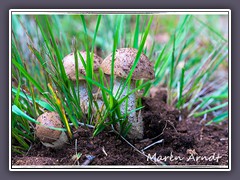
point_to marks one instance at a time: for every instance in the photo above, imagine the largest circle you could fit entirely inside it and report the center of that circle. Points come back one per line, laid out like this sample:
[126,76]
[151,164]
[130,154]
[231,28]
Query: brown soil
[185,142]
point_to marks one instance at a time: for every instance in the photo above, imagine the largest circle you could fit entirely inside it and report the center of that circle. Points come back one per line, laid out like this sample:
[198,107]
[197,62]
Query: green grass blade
[180,99]
[96,30]
[62,32]
[58,54]
[136,33]
[16,54]
[27,75]
[210,110]
[40,102]
[171,72]
[45,38]
[20,113]
[20,139]
[137,56]
[211,29]
[219,118]
[115,45]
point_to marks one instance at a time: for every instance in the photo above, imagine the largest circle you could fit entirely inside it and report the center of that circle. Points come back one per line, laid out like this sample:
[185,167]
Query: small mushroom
[69,65]
[124,59]
[50,137]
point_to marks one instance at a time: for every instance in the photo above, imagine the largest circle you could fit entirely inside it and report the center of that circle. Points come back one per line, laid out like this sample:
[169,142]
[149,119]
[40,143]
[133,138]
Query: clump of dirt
[166,140]
[157,115]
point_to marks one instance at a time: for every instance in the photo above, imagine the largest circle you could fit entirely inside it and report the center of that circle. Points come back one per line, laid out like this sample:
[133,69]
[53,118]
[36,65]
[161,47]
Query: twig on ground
[157,142]
[77,155]
[29,149]
[103,149]
[146,140]
[83,124]
[162,163]
[203,119]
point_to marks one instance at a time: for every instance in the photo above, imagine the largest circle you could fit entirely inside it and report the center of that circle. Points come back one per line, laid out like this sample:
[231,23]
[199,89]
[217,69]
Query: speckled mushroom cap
[124,59]
[44,133]
[69,65]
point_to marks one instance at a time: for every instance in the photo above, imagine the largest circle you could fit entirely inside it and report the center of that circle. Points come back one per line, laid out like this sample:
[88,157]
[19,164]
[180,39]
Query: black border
[131,12]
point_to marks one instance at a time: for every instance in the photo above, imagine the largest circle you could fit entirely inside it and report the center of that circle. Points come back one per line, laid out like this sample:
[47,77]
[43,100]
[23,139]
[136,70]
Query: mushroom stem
[84,100]
[100,105]
[97,96]
[136,131]
[83,94]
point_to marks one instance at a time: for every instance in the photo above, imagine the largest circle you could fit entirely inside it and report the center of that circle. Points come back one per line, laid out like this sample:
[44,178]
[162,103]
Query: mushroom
[50,137]
[124,59]
[69,65]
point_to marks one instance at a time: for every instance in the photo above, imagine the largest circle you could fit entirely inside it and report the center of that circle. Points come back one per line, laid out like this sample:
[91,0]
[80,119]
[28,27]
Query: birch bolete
[69,65]
[124,59]
[50,137]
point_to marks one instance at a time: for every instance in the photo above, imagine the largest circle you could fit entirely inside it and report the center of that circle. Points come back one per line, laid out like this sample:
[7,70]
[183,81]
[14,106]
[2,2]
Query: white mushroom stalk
[137,124]
[84,99]
[124,59]
[83,94]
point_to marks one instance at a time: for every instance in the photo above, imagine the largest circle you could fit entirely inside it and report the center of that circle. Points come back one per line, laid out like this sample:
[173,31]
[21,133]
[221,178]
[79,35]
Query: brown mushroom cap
[124,59]
[69,65]
[44,133]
